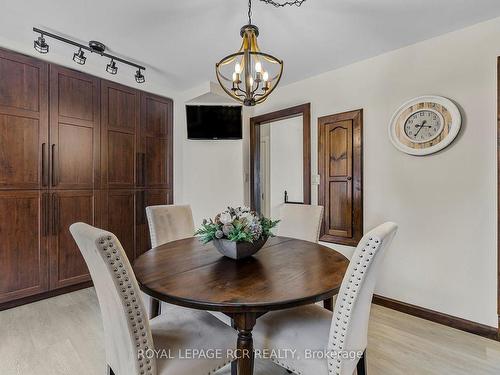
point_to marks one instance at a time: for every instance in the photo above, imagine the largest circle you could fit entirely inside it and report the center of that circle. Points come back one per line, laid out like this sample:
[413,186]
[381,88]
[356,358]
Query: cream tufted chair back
[301,221]
[126,326]
[349,329]
[169,223]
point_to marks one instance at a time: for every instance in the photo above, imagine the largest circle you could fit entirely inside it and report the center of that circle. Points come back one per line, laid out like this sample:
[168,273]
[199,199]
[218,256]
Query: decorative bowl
[238,250]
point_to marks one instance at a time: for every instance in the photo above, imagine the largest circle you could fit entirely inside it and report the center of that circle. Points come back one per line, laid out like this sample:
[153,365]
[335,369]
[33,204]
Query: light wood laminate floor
[63,335]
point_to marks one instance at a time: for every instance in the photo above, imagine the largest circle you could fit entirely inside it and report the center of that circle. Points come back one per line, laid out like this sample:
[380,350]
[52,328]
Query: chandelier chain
[297,3]
[249,12]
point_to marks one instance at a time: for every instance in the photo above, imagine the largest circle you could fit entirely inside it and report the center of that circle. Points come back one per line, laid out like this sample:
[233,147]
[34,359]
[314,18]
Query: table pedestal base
[244,323]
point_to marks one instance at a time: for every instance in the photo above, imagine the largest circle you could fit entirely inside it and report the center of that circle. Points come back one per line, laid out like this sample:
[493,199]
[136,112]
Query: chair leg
[109,370]
[154,308]
[361,367]
[328,304]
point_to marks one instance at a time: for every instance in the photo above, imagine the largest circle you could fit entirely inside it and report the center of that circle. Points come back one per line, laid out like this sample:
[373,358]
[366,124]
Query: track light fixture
[139,78]
[111,68]
[79,57]
[40,44]
[94,47]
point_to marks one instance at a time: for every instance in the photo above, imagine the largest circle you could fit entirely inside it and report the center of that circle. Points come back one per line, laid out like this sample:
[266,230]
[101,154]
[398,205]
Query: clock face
[423,126]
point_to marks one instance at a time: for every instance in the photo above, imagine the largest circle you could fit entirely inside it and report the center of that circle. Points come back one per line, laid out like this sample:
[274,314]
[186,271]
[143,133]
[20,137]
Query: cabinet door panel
[120,107]
[23,245]
[147,198]
[119,218]
[74,127]
[156,140]
[67,266]
[23,122]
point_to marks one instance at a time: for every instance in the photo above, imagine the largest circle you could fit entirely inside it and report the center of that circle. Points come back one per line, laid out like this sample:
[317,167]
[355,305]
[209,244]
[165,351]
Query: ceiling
[180,41]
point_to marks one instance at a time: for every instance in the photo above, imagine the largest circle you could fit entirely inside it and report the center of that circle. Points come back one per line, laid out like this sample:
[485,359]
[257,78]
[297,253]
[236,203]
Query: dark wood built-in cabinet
[340,167]
[73,148]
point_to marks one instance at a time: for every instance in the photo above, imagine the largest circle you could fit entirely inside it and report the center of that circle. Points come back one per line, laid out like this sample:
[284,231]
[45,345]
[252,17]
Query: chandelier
[250,75]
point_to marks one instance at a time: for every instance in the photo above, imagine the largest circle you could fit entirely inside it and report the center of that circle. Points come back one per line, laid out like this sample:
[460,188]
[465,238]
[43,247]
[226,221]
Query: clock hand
[421,126]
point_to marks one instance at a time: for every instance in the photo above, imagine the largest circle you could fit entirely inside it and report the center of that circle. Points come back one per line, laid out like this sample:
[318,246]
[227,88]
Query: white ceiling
[180,41]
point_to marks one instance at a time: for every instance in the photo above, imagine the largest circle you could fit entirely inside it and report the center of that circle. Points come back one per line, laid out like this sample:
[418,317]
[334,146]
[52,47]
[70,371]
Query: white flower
[225,218]
[246,215]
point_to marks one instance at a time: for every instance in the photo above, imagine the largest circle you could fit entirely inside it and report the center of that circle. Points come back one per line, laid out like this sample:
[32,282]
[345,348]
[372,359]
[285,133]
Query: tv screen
[213,122]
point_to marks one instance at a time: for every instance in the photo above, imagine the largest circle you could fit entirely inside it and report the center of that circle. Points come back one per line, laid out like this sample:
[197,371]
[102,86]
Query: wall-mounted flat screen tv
[213,122]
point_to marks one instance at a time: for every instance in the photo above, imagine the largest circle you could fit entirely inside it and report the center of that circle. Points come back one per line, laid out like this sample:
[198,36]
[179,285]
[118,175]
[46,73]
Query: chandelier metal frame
[250,83]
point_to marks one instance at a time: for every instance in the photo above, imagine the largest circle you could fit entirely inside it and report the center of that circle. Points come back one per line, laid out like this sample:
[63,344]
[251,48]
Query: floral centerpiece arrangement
[237,232]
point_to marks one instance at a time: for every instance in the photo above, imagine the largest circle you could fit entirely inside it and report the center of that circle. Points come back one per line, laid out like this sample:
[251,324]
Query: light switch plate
[315,179]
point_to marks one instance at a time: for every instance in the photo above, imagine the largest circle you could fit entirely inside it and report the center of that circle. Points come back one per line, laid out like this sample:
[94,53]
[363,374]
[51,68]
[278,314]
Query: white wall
[444,256]
[211,172]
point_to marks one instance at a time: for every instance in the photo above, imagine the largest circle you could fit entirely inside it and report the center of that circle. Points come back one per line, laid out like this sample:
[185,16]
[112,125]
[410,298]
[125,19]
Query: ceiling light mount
[79,57]
[97,47]
[281,4]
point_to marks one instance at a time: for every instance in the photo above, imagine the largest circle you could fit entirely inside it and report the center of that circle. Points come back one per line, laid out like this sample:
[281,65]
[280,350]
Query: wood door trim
[303,110]
[357,171]
[498,195]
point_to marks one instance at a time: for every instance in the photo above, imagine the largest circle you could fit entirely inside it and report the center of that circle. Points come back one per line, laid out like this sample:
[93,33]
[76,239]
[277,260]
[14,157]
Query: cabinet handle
[54,164]
[45,176]
[349,178]
[55,214]
[45,214]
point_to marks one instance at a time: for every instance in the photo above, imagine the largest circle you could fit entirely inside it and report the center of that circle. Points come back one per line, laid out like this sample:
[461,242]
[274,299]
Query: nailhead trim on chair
[348,295]
[137,320]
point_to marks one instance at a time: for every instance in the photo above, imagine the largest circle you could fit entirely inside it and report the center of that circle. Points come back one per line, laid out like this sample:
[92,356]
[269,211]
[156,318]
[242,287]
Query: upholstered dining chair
[301,221]
[339,334]
[130,337]
[170,223]
[167,223]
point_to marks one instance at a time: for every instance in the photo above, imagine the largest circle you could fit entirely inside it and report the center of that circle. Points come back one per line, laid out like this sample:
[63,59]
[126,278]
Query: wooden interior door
[156,142]
[339,162]
[23,243]
[23,122]
[67,266]
[120,108]
[74,129]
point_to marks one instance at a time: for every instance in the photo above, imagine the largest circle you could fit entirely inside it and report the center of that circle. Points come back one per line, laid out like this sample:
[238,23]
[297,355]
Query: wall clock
[425,125]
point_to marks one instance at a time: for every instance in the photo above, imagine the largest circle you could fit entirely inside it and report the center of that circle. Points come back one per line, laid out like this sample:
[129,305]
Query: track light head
[40,45]
[139,77]
[79,57]
[111,68]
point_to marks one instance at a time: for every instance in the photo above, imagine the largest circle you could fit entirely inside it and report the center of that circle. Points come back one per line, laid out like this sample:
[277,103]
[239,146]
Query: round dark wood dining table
[285,273]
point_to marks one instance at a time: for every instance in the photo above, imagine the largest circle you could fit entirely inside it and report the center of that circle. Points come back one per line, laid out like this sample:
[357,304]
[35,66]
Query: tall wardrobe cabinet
[73,147]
